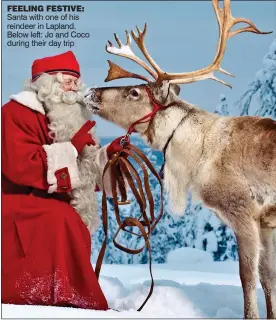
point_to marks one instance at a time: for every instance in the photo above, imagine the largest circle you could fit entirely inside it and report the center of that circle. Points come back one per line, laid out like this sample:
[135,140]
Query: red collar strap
[148,117]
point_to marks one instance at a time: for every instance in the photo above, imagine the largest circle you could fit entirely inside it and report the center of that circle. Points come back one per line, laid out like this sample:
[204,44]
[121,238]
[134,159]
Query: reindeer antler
[116,72]
[140,41]
[126,52]
[225,22]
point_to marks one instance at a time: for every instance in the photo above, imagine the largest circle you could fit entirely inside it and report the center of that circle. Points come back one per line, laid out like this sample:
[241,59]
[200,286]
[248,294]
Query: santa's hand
[83,137]
[115,146]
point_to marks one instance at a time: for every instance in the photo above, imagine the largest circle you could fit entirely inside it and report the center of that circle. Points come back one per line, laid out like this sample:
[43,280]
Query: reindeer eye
[134,93]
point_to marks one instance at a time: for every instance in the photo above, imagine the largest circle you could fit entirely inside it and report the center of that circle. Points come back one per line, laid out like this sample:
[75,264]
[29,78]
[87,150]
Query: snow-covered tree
[212,235]
[168,234]
[264,85]
[227,244]
[112,253]
[222,109]
[189,227]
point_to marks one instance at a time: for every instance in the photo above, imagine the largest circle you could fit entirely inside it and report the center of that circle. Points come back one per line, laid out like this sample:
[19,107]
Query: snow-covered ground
[189,285]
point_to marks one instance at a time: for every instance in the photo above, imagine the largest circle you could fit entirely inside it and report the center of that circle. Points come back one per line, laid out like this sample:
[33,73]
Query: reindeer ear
[175,88]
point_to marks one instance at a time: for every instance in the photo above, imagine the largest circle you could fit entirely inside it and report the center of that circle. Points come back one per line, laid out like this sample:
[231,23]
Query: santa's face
[70,83]
[62,99]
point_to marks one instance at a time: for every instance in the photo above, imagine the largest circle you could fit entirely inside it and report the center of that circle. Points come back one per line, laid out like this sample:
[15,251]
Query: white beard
[66,116]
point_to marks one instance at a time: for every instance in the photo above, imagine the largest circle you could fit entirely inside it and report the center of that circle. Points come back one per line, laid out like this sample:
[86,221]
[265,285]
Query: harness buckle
[124,140]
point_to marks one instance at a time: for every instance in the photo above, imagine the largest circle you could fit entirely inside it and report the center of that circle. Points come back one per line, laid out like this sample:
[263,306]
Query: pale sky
[182,36]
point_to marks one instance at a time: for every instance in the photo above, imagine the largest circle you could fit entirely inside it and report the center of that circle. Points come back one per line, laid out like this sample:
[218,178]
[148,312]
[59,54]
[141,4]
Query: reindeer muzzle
[92,99]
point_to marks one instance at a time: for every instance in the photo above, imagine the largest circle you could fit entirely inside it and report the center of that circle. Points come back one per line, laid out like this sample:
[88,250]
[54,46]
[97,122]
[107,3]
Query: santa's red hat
[65,63]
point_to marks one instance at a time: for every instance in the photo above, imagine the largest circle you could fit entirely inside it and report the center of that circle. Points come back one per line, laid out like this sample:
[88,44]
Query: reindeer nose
[94,93]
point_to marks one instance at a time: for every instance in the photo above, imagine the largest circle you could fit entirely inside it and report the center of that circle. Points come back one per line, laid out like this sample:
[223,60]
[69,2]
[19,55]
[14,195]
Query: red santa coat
[45,245]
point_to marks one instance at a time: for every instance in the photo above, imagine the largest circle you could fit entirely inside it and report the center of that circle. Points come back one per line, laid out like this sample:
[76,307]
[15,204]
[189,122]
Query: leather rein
[120,167]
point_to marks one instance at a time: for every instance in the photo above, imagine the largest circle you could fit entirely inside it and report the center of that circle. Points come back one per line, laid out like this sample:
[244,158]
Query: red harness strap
[147,118]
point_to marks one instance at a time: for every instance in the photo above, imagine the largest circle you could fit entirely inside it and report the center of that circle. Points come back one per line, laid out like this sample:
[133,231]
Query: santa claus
[51,165]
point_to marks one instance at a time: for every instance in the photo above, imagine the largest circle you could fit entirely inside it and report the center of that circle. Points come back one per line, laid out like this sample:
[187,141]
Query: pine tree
[168,234]
[222,109]
[227,245]
[264,85]
[112,253]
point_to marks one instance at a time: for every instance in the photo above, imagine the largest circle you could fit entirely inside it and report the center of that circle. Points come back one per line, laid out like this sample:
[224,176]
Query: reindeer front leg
[267,271]
[229,197]
[248,249]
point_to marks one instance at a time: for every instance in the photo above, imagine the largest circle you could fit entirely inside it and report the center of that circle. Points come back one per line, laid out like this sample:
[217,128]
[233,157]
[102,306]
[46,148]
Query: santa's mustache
[71,97]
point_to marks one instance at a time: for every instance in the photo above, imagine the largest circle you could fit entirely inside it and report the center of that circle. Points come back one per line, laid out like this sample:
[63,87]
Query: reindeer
[229,163]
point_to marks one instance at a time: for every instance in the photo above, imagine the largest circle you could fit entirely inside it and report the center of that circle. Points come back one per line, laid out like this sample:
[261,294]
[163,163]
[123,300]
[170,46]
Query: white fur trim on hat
[60,155]
[28,99]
